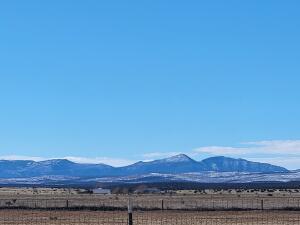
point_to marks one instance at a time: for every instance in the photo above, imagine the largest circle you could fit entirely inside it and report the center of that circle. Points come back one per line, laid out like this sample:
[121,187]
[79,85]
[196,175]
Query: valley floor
[52,217]
[209,207]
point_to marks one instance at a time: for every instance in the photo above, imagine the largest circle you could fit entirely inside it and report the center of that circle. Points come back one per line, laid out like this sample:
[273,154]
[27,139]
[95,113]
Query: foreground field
[151,202]
[75,207]
[35,217]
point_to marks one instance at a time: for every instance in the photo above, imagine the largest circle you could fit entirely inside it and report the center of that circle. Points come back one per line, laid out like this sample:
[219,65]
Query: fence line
[167,211]
[158,204]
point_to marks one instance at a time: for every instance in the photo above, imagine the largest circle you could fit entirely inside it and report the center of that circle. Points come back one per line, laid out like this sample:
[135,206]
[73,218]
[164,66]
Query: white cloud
[279,152]
[284,153]
[277,146]
[220,150]
[259,147]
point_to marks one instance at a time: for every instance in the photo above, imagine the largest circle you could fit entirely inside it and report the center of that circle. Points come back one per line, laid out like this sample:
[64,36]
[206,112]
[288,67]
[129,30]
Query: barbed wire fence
[283,211]
[183,203]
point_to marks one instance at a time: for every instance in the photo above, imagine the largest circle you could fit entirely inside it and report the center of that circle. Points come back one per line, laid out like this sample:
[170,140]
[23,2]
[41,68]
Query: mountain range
[178,164]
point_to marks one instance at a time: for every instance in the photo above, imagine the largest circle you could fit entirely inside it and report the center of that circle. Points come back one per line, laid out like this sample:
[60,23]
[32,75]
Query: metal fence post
[130,222]
[262,204]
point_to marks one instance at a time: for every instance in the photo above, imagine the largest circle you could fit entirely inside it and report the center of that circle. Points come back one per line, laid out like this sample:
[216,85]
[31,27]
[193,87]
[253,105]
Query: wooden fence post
[130,221]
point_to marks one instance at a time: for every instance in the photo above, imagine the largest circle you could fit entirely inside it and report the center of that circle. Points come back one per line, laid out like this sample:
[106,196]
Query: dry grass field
[70,206]
[63,198]
[36,217]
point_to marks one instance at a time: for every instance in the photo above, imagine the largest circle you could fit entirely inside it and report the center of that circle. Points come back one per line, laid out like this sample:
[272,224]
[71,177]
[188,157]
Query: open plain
[86,217]
[27,206]
[182,200]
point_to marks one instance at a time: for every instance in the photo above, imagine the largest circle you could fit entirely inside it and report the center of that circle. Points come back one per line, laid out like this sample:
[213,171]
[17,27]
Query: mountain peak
[178,158]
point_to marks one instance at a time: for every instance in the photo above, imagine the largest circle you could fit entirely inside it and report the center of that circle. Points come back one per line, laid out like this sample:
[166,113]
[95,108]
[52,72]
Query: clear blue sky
[120,79]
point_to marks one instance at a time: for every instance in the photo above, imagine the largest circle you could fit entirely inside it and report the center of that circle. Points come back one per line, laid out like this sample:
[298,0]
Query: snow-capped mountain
[176,164]
[57,167]
[177,158]
[205,177]
[179,164]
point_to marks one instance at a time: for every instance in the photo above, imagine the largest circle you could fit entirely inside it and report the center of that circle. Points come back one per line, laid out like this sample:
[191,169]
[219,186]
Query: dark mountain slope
[225,164]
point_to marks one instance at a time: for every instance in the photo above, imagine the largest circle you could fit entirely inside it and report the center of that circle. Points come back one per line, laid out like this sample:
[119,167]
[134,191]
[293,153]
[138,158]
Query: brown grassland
[37,217]
[72,206]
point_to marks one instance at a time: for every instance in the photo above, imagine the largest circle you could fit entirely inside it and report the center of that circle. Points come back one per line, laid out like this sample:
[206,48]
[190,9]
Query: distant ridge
[173,165]
[225,164]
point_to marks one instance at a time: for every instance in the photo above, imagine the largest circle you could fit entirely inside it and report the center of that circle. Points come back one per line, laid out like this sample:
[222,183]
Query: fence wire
[166,203]
[164,212]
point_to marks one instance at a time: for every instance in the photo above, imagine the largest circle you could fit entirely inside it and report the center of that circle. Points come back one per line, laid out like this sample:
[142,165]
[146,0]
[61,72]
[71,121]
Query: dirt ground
[35,217]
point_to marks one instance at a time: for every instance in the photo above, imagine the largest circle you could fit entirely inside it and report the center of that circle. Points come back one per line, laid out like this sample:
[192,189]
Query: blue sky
[119,81]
